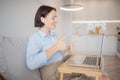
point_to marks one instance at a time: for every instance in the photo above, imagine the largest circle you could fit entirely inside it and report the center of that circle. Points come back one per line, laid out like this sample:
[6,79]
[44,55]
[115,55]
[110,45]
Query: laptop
[86,61]
[91,61]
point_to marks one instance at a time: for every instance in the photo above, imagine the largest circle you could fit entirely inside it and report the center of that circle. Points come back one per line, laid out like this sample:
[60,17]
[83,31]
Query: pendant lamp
[71,7]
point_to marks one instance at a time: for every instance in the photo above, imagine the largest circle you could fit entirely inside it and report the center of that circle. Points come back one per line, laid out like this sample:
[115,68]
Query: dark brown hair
[42,12]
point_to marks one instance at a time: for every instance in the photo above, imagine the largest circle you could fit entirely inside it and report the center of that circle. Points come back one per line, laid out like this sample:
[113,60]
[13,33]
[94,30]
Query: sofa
[12,60]
[13,63]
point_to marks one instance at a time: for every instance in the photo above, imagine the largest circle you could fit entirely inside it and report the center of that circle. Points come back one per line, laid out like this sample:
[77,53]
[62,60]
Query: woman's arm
[60,45]
[36,57]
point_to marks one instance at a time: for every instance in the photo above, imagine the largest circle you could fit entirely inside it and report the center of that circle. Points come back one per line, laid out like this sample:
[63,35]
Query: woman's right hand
[61,45]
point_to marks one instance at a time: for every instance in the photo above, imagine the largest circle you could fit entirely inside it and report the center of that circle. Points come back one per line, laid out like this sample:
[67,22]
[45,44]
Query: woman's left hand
[71,48]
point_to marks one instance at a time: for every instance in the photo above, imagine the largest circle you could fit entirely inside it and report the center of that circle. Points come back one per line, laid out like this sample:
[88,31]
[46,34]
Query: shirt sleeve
[35,57]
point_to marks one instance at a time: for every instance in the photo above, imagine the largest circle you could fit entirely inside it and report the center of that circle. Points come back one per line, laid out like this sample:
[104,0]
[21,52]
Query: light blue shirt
[38,43]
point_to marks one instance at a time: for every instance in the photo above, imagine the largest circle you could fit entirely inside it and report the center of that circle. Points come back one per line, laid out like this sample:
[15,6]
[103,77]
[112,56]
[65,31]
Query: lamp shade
[71,7]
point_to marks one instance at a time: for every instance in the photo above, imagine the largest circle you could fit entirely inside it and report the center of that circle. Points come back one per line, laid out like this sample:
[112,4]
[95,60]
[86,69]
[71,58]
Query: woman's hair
[42,11]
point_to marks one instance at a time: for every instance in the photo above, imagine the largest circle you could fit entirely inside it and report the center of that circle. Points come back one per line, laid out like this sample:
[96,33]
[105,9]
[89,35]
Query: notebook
[91,61]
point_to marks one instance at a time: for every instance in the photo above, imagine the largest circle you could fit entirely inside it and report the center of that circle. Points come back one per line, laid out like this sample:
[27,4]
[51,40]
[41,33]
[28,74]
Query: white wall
[98,10]
[17,17]
[91,44]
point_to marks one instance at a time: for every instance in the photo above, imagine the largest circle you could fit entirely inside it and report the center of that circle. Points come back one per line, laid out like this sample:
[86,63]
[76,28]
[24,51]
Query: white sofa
[12,60]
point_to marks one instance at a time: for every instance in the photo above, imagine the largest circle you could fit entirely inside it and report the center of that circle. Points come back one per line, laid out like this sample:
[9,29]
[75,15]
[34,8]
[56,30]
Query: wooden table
[65,68]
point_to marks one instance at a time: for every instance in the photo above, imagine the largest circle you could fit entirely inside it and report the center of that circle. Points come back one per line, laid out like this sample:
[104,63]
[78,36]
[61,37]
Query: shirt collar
[41,33]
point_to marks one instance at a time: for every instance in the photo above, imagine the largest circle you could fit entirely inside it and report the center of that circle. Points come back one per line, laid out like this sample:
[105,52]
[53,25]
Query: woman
[43,49]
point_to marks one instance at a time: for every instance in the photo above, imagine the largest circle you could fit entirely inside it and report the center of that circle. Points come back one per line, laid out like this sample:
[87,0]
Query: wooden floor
[112,66]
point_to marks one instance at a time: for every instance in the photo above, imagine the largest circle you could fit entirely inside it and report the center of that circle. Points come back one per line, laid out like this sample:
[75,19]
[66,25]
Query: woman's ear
[42,19]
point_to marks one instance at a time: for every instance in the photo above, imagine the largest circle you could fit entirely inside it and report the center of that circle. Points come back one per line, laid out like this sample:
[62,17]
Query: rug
[78,77]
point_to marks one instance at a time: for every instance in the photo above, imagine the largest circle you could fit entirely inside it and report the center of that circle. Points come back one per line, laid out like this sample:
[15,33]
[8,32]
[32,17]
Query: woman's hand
[70,50]
[61,45]
[71,47]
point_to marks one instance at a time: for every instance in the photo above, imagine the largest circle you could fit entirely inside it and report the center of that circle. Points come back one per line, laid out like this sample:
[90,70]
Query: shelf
[102,21]
[97,34]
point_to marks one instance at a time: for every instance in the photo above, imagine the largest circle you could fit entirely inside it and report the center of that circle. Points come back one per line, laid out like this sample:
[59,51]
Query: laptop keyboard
[90,60]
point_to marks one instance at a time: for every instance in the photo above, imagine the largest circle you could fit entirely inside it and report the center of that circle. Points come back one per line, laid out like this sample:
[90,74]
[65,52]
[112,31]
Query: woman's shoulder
[34,36]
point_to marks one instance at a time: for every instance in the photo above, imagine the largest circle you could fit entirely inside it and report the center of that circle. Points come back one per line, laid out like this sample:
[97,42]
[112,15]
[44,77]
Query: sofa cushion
[1,38]
[2,61]
[14,50]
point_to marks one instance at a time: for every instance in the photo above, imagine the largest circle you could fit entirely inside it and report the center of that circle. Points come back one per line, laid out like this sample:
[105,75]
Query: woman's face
[50,20]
